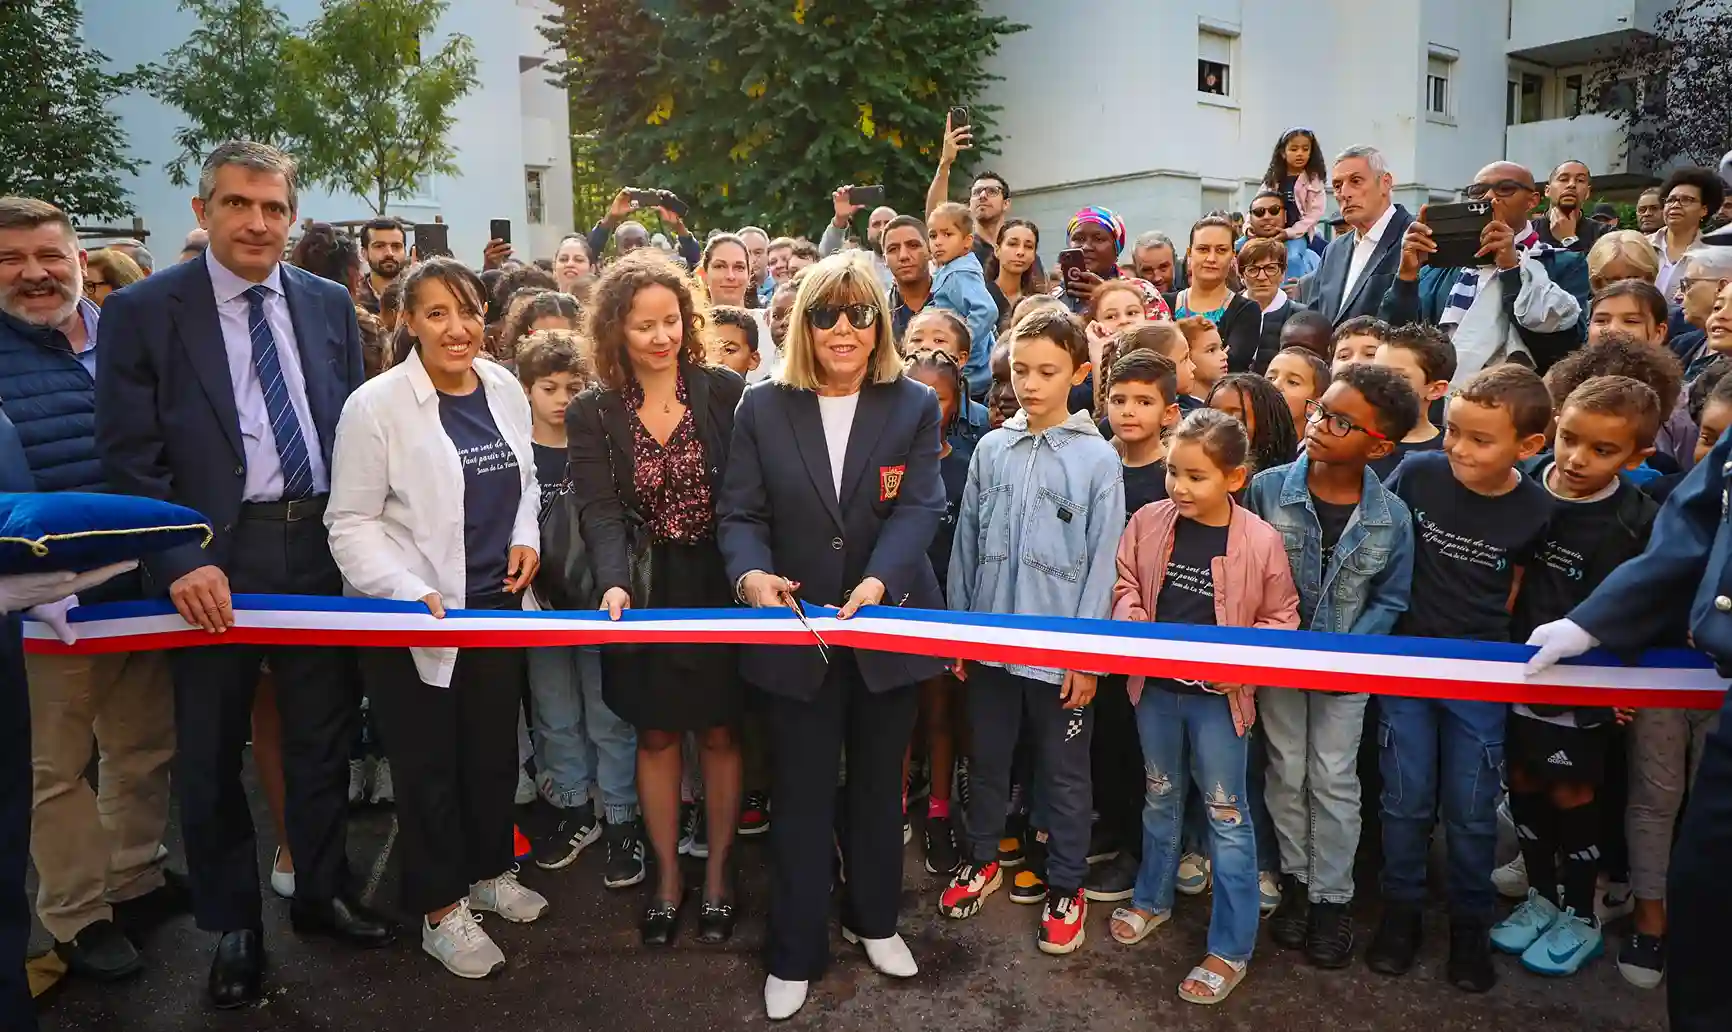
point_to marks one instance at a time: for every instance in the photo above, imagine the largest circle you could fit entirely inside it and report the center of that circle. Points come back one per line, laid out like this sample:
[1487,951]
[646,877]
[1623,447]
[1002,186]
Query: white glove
[28,590]
[53,614]
[1560,639]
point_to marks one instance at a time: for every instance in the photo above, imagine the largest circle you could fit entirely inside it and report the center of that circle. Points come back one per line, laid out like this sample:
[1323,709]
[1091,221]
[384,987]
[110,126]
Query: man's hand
[520,568]
[1560,639]
[1290,287]
[622,206]
[1564,223]
[1078,689]
[955,141]
[1498,241]
[202,599]
[763,590]
[868,592]
[678,224]
[1417,245]
[845,209]
[496,254]
[616,601]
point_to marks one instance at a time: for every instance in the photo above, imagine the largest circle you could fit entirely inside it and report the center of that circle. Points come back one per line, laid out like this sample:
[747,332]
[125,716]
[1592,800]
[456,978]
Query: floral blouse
[671,480]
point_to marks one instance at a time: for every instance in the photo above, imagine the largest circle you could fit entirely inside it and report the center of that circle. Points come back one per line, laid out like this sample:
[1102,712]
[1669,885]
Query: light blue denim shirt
[960,286]
[1371,571]
[1038,529]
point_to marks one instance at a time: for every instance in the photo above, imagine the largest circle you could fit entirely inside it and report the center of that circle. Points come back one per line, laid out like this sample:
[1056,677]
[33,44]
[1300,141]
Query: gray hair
[1154,238]
[1373,157]
[257,157]
[753,229]
[28,213]
[1714,261]
[136,250]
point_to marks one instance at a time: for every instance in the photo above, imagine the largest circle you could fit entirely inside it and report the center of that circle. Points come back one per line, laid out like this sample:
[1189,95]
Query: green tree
[227,79]
[1672,88]
[59,140]
[370,108]
[755,110]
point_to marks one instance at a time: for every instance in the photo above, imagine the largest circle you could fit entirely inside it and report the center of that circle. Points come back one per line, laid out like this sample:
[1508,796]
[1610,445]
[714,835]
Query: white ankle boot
[890,956]
[783,1000]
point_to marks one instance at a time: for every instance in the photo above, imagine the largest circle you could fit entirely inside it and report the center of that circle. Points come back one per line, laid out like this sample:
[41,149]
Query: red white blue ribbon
[1388,665]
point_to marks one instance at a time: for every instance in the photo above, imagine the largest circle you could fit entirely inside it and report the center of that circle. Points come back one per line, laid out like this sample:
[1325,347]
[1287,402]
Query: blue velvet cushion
[69,530]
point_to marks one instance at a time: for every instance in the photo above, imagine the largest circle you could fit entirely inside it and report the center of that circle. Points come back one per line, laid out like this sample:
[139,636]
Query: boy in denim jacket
[959,285]
[1350,542]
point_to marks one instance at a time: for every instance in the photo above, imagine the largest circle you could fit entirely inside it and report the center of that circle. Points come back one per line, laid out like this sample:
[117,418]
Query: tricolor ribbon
[1387,665]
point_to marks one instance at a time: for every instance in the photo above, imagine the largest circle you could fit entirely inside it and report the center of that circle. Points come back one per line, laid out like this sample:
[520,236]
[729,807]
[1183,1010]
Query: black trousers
[806,740]
[17,1011]
[1697,906]
[453,754]
[317,699]
[1116,764]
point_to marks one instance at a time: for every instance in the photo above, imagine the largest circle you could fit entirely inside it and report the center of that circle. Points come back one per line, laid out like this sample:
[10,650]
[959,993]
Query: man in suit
[1358,266]
[219,386]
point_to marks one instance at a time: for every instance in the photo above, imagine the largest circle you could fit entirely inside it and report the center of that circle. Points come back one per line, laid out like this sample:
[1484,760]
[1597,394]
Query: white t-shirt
[838,417]
[768,358]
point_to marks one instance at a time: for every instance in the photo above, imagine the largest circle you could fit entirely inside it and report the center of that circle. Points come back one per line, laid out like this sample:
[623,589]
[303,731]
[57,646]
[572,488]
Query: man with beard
[988,195]
[910,266]
[96,850]
[1269,222]
[1565,223]
[386,249]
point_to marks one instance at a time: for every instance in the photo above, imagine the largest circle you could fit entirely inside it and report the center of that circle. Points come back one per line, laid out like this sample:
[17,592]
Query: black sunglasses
[861,317]
[1261,212]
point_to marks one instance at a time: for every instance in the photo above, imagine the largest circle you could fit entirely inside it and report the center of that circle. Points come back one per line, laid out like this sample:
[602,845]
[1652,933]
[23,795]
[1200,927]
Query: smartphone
[645,198]
[1456,228]
[432,238]
[671,201]
[958,117]
[499,229]
[866,195]
[1070,263]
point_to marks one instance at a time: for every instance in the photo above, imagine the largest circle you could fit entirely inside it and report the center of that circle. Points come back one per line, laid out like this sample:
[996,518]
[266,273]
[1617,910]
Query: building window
[1572,98]
[533,198]
[1437,75]
[1214,63]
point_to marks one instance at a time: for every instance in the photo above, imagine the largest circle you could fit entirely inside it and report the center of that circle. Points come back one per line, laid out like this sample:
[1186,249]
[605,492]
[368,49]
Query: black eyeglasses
[1337,425]
[1502,188]
[1262,212]
[861,317]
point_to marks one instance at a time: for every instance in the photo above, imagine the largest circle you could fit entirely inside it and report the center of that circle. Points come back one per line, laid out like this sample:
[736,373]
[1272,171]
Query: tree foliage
[59,140]
[1673,89]
[227,79]
[370,109]
[755,110]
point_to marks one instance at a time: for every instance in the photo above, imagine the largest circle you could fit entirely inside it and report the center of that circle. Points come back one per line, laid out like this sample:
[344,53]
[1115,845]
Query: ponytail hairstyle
[1273,439]
[458,278]
[1221,436]
[945,365]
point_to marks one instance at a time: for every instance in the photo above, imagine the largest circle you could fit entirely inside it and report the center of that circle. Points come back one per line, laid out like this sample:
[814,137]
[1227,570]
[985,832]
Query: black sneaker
[100,951]
[1642,961]
[1104,845]
[941,853]
[625,866]
[1028,884]
[1329,936]
[695,840]
[1470,968]
[558,842]
[919,780]
[1396,944]
[1114,880]
[755,814]
[1287,925]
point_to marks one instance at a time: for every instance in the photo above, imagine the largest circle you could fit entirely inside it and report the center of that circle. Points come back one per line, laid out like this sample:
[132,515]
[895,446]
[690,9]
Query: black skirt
[664,687]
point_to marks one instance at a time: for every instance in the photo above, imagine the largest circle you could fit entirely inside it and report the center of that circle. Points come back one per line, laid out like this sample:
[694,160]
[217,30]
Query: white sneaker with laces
[357,782]
[458,942]
[783,1000]
[282,882]
[508,897]
[383,792]
[1511,880]
[889,956]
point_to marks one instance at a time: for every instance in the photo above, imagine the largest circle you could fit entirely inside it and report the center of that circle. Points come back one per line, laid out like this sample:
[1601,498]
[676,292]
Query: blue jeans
[1196,838]
[1188,737]
[1441,754]
[580,744]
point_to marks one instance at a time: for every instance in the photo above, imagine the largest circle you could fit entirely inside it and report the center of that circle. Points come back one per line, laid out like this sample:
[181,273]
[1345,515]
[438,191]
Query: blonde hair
[1624,245]
[847,278]
[116,267]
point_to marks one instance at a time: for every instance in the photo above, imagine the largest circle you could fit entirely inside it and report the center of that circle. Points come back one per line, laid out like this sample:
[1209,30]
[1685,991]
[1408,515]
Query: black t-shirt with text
[1557,579]
[1381,468]
[1333,518]
[491,489]
[1466,549]
[1187,593]
[1143,485]
[550,466]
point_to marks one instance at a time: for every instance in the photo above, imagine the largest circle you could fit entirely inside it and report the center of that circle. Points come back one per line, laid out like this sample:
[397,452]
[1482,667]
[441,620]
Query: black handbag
[565,579]
[640,564]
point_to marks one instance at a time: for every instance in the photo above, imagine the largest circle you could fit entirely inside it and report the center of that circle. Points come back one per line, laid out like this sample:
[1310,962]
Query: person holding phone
[988,193]
[1096,235]
[624,203]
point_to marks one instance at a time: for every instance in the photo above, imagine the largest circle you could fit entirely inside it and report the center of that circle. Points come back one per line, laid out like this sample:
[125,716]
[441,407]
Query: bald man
[1477,304]
[836,232]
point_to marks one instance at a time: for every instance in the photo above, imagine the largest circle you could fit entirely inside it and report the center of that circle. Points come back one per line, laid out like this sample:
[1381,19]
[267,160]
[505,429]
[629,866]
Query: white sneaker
[1511,880]
[282,882]
[383,792]
[357,782]
[507,897]
[525,788]
[459,943]
[783,1000]
[1193,876]
[1268,892]
[890,956]
[1613,902]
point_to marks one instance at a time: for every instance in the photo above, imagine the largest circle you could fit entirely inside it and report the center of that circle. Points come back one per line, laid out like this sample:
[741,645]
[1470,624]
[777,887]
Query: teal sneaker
[1568,944]
[1525,924]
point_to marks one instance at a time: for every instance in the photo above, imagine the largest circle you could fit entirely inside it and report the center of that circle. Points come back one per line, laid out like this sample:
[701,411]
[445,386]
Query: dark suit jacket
[166,423]
[1324,287]
[779,513]
[599,439]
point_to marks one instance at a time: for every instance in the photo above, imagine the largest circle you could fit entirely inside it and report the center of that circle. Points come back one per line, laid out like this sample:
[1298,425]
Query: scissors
[799,614]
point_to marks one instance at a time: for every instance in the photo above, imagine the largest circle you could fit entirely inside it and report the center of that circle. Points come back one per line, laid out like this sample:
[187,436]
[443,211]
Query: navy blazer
[166,422]
[1324,287]
[779,513]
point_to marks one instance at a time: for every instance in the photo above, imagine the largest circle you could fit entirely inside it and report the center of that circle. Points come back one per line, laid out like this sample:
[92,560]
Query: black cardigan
[1241,329]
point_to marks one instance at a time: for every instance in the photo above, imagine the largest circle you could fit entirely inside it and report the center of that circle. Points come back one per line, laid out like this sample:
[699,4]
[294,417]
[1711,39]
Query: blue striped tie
[285,426]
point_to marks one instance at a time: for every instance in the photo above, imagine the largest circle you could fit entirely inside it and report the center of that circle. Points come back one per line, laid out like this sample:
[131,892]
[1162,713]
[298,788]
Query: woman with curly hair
[532,310]
[649,449]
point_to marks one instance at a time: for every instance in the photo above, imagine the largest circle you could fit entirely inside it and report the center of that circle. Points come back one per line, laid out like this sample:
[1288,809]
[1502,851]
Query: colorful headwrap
[1102,217]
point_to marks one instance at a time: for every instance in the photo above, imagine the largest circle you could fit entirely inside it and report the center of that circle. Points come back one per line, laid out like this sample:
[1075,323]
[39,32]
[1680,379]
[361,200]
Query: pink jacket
[1253,583]
[1308,195]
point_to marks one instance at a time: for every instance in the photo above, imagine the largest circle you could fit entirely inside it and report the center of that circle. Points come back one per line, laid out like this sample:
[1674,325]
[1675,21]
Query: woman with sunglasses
[649,448]
[832,498]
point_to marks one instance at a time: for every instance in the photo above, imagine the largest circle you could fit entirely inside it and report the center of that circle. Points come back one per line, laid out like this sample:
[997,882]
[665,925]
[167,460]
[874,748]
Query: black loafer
[716,921]
[142,915]
[237,969]
[342,919]
[661,922]
[100,951]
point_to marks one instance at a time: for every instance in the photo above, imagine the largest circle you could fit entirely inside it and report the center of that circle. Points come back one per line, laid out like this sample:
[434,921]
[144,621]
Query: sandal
[1141,927]
[1220,986]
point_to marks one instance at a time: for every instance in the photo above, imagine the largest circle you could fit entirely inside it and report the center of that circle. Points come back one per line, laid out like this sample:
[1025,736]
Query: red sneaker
[521,850]
[1061,922]
[969,888]
[755,814]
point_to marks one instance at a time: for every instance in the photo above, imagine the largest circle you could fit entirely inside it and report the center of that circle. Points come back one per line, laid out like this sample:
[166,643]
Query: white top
[264,479]
[1362,251]
[838,417]
[395,514]
[768,359]
[1668,268]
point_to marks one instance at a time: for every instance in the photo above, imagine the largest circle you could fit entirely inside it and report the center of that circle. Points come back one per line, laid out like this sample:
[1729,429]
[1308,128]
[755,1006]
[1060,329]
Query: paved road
[581,968]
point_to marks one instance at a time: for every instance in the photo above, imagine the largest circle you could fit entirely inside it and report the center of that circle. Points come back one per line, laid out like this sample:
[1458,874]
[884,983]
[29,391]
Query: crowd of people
[1249,426]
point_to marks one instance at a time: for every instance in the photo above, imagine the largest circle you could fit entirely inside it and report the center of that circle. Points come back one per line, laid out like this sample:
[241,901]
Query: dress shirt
[264,481]
[90,314]
[1363,248]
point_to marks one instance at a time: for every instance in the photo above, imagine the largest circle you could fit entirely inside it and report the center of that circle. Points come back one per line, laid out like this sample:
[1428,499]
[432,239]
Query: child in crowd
[1477,521]
[1297,173]
[1117,305]
[1142,408]
[1555,756]
[1357,340]
[943,330]
[1255,402]
[1168,560]
[1426,359]
[1300,376]
[733,339]
[1352,568]
[1311,331]
[1163,338]
[1617,353]
[1050,474]
[1208,354]
[580,744]
[1634,308]
[959,284]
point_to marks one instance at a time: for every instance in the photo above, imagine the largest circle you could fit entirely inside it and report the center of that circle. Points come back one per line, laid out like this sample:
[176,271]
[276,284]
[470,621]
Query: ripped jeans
[1186,738]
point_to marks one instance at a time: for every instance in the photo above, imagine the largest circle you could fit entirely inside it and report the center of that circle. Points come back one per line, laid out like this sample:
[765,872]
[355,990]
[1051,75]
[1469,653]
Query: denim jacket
[960,286]
[1371,571]
[1038,530]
